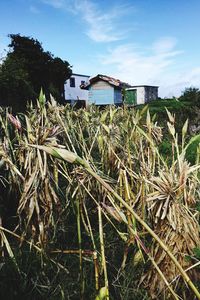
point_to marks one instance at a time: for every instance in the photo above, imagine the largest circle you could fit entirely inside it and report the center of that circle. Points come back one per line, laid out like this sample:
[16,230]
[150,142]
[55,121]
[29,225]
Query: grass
[170,104]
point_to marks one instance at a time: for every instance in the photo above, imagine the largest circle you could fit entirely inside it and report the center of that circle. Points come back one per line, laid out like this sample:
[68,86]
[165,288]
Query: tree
[28,68]
[191,94]
[58,75]
[15,86]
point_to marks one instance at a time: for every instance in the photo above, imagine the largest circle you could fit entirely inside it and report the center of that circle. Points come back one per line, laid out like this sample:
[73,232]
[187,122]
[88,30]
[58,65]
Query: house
[104,90]
[140,94]
[72,89]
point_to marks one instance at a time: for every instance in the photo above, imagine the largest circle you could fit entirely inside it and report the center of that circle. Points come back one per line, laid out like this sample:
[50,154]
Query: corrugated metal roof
[112,81]
[75,74]
[144,85]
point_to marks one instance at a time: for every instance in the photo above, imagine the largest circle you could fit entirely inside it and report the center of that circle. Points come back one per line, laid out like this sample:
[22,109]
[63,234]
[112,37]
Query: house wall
[140,95]
[101,85]
[101,93]
[151,93]
[130,97]
[145,94]
[117,96]
[75,93]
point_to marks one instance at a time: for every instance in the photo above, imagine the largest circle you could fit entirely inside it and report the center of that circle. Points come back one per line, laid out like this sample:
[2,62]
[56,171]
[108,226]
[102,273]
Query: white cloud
[151,65]
[102,26]
[164,44]
[137,65]
[175,84]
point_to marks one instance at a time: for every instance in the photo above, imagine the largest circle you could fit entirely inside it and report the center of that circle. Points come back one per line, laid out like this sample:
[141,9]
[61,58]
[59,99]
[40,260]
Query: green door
[130,97]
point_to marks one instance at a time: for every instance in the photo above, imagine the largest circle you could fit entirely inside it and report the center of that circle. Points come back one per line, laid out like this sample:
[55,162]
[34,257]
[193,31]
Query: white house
[73,92]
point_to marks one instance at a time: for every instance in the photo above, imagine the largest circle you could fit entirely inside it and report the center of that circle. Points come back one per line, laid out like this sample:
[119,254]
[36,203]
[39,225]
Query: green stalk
[96,272]
[80,251]
[103,252]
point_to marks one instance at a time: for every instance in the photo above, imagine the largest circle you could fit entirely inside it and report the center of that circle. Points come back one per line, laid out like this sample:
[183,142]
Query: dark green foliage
[170,104]
[182,110]
[197,252]
[37,278]
[191,152]
[165,149]
[198,206]
[15,85]
[191,95]
[124,284]
[26,69]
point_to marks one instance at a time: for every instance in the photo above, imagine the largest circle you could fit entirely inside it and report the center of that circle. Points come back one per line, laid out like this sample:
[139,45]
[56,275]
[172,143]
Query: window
[82,82]
[72,82]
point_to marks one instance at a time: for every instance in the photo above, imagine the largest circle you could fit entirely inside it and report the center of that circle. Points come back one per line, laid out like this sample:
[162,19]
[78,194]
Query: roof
[75,74]
[112,81]
[144,85]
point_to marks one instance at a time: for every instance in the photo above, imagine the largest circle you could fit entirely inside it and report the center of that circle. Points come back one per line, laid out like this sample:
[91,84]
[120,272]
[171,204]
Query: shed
[140,94]
[104,90]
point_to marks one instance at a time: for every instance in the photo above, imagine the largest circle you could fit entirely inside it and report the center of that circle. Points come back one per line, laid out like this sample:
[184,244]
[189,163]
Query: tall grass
[93,184]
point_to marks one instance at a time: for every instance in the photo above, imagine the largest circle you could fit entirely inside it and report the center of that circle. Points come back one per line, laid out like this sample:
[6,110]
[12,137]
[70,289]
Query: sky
[153,42]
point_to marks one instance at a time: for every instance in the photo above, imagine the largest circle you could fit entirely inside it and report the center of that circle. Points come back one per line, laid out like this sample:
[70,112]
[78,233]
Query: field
[99,204]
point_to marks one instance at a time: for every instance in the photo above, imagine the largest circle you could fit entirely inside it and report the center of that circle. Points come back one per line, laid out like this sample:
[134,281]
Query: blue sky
[140,42]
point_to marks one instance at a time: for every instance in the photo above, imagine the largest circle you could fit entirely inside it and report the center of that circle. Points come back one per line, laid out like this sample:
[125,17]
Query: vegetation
[191,94]
[26,69]
[181,110]
[92,209]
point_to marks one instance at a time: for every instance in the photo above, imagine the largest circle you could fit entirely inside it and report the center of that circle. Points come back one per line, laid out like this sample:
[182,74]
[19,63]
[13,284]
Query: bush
[191,94]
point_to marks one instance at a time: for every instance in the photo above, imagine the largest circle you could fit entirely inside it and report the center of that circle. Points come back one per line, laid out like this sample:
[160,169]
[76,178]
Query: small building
[72,89]
[104,90]
[140,94]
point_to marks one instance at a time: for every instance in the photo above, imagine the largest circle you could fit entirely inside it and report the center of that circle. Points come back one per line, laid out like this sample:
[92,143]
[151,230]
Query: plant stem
[103,251]
[80,251]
